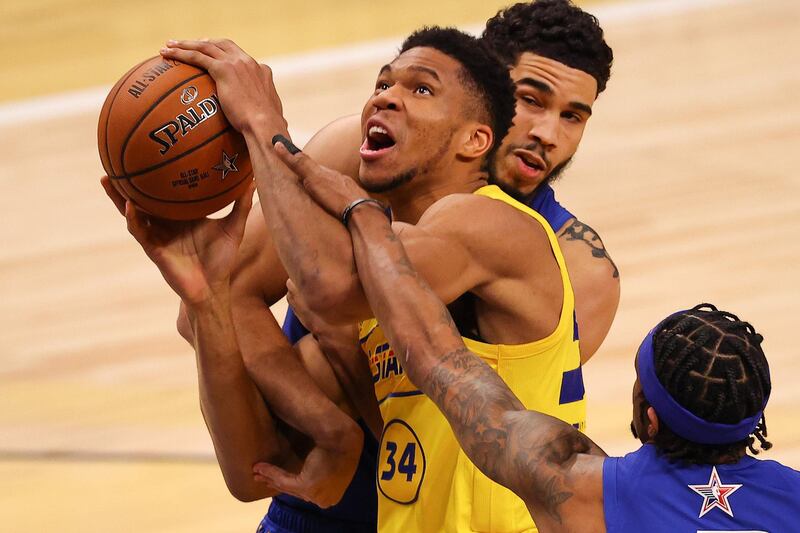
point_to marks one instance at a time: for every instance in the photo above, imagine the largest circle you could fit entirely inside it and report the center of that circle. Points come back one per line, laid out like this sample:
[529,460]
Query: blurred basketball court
[688,170]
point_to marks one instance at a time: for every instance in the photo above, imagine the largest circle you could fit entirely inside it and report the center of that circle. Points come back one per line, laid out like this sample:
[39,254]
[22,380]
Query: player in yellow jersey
[547,151]
[429,127]
[453,495]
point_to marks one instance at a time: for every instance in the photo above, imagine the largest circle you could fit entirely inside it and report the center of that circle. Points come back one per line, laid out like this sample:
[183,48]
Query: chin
[370,178]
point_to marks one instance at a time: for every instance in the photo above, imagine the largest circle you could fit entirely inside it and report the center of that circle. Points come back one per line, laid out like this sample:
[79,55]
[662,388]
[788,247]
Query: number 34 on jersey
[401,466]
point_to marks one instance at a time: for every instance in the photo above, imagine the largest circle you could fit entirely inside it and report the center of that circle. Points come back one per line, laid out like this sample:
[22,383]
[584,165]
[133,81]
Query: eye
[381,86]
[573,117]
[423,89]
[530,100]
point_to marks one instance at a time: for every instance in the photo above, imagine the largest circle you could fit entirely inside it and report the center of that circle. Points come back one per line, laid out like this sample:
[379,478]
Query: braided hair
[712,364]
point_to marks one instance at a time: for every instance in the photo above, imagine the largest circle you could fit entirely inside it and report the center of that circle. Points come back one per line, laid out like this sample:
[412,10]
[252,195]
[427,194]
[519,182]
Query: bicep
[442,260]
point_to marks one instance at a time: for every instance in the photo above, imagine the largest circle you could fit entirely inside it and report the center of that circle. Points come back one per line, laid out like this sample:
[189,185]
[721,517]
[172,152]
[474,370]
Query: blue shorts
[282,518]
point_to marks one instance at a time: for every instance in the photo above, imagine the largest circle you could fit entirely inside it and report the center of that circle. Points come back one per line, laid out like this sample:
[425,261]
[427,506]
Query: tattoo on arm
[578,231]
[523,450]
[542,447]
[472,406]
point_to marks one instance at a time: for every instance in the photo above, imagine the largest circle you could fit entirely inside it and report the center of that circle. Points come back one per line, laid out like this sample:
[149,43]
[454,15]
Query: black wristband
[345,218]
[286,142]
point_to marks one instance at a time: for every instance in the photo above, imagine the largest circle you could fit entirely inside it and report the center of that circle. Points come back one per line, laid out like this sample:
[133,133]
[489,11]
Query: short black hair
[482,71]
[712,364]
[555,29]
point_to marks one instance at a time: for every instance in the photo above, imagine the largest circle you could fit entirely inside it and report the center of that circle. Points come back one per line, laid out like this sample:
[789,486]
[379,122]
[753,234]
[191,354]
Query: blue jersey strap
[544,202]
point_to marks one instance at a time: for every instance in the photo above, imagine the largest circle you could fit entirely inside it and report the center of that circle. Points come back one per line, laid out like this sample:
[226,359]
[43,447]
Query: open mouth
[377,142]
[530,163]
[379,139]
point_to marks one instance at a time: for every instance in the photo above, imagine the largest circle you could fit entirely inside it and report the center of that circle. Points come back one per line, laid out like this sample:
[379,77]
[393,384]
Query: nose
[388,99]
[545,130]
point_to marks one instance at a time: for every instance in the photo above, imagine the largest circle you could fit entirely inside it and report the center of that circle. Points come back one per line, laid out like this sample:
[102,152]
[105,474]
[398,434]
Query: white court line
[87,100]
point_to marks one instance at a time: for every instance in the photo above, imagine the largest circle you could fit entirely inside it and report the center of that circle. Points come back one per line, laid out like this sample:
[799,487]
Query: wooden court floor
[687,170]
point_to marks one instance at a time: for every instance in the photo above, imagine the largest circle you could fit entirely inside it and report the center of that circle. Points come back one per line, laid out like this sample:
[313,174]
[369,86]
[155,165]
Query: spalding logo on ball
[166,144]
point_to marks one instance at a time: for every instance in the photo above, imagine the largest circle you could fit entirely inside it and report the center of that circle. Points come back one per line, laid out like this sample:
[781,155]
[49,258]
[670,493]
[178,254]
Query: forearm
[515,447]
[351,367]
[283,381]
[238,421]
[312,245]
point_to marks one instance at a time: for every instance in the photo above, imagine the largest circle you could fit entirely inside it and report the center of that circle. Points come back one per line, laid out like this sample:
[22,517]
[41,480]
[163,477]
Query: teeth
[377,129]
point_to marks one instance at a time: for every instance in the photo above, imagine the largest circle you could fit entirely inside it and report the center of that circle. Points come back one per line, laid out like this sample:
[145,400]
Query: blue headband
[679,419]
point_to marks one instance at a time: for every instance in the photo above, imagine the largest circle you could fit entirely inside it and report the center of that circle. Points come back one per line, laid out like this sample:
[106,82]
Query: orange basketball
[166,145]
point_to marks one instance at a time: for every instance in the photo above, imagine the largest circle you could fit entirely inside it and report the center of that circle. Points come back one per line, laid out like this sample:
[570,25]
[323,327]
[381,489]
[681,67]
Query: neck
[732,457]
[409,203]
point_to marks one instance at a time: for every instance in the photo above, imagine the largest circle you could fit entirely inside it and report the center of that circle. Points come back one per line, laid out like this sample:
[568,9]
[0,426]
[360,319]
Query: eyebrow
[545,88]
[580,106]
[425,70]
[536,84]
[415,68]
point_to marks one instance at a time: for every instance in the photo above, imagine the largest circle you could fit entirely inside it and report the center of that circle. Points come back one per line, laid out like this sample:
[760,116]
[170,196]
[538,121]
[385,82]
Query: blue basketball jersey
[359,506]
[643,491]
[544,202]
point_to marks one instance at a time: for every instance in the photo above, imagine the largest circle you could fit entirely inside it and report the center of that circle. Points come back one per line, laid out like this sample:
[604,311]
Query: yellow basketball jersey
[426,484]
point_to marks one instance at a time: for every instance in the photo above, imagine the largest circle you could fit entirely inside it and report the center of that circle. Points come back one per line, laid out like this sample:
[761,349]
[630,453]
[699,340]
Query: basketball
[166,145]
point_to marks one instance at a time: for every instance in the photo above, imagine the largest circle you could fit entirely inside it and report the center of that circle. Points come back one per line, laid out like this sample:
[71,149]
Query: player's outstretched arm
[301,396]
[195,259]
[552,466]
[258,281]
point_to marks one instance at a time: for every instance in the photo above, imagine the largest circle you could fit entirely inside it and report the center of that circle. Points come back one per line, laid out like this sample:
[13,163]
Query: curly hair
[712,364]
[555,29]
[483,74]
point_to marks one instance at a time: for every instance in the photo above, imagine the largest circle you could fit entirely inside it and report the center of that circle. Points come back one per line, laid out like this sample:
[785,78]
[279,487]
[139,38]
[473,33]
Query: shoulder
[472,212]
[790,476]
[581,237]
[492,230]
[258,271]
[336,145]
[587,256]
[622,474]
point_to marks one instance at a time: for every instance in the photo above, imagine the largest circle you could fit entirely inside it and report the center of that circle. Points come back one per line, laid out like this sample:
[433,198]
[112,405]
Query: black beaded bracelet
[345,218]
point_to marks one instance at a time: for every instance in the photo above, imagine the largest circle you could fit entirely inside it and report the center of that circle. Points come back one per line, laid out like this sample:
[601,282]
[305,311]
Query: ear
[476,141]
[652,427]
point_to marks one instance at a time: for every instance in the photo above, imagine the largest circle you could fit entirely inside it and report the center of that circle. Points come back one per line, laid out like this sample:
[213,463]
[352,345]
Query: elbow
[250,492]
[242,484]
[330,297]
